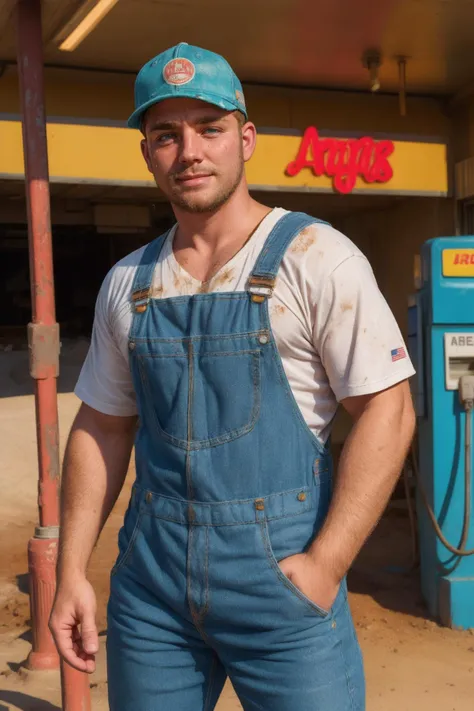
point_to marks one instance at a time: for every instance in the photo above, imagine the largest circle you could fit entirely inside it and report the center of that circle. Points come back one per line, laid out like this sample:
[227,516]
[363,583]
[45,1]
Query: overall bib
[230,480]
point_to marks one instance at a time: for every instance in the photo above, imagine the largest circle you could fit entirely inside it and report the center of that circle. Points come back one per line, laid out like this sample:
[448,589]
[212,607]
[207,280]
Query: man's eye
[165,137]
[211,130]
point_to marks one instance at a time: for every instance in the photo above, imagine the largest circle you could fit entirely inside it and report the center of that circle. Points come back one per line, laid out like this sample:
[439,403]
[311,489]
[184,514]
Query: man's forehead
[183,109]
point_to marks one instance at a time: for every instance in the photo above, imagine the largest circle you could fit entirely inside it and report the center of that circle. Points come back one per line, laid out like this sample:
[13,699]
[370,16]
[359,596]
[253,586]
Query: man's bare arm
[370,465]
[95,465]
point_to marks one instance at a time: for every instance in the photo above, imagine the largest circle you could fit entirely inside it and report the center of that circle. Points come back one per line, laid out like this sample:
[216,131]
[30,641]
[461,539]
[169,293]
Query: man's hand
[73,625]
[309,577]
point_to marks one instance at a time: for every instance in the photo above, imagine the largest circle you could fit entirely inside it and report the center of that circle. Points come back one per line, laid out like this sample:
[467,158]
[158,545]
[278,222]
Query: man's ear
[249,140]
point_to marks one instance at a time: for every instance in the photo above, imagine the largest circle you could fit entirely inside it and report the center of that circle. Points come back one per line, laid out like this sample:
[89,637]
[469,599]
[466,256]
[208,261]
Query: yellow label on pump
[458,262]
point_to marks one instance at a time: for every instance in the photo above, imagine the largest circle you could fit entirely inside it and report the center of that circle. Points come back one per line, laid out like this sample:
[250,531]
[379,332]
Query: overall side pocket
[289,587]
[128,536]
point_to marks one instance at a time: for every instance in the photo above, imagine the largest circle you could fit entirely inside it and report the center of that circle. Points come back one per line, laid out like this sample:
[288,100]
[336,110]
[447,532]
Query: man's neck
[204,243]
[231,223]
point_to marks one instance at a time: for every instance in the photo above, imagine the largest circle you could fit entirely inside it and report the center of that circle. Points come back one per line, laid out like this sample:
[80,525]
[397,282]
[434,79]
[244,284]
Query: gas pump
[441,345]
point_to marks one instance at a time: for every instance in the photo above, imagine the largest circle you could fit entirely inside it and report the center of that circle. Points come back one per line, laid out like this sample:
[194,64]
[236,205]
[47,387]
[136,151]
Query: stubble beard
[193,205]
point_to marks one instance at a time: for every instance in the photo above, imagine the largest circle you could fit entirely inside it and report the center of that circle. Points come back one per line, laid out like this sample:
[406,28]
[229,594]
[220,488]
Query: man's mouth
[192,178]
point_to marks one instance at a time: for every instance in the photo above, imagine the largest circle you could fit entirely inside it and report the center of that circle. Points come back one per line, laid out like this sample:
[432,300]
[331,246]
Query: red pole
[43,338]
[43,335]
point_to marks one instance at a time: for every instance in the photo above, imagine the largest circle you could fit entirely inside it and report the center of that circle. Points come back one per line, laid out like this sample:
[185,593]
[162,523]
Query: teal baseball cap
[191,72]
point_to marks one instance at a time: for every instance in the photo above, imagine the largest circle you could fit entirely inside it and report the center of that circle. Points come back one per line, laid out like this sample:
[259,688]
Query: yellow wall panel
[112,155]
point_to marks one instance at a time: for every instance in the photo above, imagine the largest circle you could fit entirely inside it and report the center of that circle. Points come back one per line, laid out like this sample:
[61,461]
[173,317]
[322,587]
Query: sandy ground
[412,664]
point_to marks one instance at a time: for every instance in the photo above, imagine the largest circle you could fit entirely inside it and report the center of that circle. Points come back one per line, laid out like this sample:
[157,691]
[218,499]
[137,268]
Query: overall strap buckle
[261,287]
[143,280]
[140,299]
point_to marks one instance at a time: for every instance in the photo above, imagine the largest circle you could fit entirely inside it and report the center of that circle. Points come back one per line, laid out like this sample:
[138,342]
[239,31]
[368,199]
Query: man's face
[196,152]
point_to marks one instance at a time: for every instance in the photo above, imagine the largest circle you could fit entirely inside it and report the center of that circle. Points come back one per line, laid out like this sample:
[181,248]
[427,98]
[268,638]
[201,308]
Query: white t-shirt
[334,330]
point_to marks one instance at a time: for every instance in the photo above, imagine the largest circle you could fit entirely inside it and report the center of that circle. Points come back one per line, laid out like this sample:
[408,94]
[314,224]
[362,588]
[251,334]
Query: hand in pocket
[309,577]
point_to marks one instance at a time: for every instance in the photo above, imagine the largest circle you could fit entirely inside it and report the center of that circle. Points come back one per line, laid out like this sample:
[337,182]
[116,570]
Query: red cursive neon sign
[344,160]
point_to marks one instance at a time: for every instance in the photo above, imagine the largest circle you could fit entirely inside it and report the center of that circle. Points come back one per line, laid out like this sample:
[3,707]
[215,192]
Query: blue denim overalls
[230,480]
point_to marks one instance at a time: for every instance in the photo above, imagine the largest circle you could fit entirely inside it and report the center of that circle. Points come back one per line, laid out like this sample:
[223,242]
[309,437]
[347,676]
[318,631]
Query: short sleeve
[356,334]
[105,382]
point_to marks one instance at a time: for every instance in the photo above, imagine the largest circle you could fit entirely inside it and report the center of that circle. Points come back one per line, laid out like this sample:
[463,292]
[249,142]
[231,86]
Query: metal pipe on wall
[402,81]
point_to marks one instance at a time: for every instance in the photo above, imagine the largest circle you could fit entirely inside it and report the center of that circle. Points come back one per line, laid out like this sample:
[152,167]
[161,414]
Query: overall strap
[144,275]
[263,277]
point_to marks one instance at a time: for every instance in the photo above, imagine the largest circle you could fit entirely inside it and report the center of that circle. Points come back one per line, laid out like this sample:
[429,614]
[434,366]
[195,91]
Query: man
[233,338]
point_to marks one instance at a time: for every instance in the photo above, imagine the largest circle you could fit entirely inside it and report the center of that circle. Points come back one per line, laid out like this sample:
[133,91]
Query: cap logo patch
[240,97]
[179,71]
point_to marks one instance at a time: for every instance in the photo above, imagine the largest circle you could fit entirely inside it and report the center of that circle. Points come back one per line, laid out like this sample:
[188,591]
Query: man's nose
[190,147]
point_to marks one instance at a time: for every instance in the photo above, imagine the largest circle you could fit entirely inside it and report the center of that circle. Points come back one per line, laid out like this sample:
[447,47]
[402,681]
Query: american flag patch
[398,354]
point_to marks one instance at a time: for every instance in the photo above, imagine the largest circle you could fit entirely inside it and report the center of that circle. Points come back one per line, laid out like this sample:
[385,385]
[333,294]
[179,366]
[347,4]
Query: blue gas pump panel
[444,279]
[441,342]
[448,279]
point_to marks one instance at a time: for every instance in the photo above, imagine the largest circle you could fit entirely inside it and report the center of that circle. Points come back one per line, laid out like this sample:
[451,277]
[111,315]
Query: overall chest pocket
[200,398]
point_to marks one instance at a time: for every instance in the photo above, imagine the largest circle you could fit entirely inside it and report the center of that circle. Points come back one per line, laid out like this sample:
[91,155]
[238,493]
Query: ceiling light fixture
[372,60]
[84,25]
